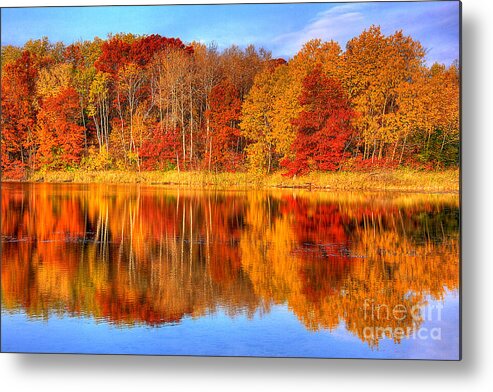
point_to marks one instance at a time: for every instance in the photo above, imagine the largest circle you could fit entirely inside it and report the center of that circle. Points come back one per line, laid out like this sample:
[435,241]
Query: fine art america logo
[400,321]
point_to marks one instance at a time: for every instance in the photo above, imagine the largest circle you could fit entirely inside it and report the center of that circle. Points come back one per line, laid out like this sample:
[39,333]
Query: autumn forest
[152,103]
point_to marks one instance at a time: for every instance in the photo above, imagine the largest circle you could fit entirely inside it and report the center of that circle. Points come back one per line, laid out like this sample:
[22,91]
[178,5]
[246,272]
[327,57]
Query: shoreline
[402,180]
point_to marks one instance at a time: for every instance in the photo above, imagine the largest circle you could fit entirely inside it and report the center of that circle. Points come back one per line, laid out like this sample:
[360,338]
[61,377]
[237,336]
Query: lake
[291,273]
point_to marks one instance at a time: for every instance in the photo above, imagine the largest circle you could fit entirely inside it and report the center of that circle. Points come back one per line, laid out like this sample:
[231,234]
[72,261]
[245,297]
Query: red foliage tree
[59,136]
[143,49]
[161,150]
[114,54]
[18,114]
[225,107]
[73,55]
[323,127]
[274,63]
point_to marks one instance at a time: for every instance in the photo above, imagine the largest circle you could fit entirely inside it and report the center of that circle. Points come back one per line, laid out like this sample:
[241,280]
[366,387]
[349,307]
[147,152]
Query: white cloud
[434,24]
[336,24]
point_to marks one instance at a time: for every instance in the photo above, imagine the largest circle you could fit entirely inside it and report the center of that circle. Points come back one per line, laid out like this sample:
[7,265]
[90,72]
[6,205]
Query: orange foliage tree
[18,115]
[59,135]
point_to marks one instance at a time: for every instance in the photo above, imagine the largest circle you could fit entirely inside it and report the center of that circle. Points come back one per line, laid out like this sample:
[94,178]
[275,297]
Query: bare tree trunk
[83,123]
[395,149]
[402,151]
[210,153]
[191,123]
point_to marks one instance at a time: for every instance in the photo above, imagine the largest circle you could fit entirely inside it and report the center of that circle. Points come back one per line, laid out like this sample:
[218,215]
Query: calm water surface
[149,270]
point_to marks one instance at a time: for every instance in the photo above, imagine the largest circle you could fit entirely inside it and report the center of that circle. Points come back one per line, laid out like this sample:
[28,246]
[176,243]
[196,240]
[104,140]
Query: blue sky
[280,28]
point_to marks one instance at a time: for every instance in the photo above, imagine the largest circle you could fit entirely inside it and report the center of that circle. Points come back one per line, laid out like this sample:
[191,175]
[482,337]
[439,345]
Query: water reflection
[141,255]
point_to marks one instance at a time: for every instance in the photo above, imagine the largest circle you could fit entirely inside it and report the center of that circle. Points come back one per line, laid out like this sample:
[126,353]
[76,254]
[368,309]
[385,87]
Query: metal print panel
[275,180]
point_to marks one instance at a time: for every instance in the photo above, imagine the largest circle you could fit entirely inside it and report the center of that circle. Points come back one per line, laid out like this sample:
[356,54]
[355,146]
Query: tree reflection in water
[140,255]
